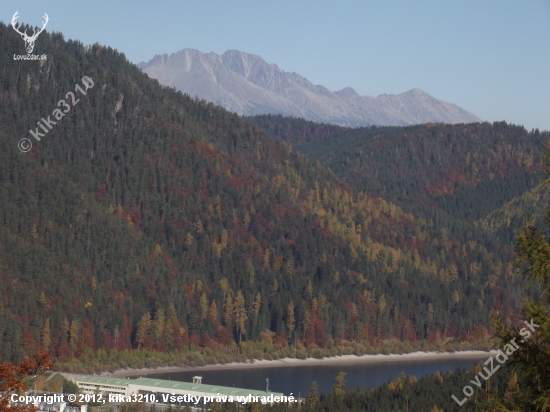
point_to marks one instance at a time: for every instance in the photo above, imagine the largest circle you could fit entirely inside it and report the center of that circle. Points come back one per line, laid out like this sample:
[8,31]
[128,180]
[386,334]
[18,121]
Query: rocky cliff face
[246,84]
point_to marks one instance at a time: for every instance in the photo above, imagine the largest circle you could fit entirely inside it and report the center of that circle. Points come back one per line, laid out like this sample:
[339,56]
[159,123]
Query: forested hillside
[528,207]
[466,171]
[147,220]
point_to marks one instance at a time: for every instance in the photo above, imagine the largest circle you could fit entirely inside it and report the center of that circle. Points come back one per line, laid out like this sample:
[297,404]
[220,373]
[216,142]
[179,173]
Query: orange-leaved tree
[14,378]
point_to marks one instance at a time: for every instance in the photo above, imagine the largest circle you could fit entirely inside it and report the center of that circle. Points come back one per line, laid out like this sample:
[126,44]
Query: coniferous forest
[459,173]
[149,227]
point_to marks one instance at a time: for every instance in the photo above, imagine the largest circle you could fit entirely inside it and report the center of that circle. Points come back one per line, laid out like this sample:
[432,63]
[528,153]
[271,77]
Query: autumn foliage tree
[14,378]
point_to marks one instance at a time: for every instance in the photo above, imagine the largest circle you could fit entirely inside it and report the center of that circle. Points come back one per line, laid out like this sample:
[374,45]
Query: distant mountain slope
[467,171]
[530,206]
[246,84]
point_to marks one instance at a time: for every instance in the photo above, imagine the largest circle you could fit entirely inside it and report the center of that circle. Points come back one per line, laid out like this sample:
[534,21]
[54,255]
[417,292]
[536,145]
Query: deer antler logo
[29,40]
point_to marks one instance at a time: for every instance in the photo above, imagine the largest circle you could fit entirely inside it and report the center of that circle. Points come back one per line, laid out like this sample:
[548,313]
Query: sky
[490,57]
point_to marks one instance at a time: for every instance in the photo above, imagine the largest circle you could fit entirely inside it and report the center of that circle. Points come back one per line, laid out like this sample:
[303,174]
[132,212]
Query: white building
[160,390]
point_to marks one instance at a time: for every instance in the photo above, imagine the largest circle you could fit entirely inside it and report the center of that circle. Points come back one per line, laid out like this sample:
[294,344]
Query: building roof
[199,387]
[104,380]
[167,385]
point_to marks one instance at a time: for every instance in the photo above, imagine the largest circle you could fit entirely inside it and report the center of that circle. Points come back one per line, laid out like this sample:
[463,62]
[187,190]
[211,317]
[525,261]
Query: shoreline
[285,362]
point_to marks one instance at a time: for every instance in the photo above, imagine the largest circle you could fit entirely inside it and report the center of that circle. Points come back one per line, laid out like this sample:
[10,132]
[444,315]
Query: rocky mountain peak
[245,83]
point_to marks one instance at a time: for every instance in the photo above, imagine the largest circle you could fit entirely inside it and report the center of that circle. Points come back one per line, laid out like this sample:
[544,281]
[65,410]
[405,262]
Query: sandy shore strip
[344,359]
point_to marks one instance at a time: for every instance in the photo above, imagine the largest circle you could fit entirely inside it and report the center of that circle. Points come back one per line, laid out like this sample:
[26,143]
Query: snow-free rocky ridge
[247,84]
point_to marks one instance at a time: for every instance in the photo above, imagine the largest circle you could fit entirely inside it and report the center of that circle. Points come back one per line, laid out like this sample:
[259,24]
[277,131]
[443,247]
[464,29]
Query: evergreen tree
[312,397]
[529,386]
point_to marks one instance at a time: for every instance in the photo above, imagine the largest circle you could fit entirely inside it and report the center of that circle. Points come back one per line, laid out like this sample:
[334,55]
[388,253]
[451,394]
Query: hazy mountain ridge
[246,84]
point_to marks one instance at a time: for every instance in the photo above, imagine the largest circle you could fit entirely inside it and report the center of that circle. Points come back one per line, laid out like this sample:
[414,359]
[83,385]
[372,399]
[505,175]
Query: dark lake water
[297,379]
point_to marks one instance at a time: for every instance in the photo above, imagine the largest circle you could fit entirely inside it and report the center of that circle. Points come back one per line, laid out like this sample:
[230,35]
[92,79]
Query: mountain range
[147,227]
[149,220]
[248,85]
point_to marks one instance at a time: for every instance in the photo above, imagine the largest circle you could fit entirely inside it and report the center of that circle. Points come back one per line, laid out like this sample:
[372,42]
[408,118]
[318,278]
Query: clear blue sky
[491,57]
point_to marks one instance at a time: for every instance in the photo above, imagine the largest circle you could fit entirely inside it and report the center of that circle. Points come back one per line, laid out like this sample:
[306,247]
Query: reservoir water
[297,378]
